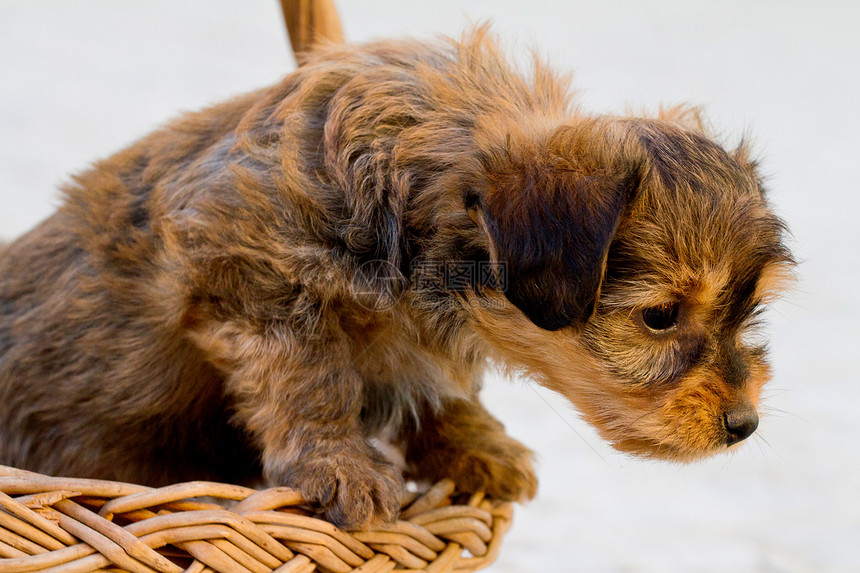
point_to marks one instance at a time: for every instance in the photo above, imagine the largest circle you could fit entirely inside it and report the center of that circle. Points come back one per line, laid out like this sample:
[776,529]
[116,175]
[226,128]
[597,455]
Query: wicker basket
[74,525]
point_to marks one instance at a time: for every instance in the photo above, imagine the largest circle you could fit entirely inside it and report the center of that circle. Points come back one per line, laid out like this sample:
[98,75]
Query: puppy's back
[244,207]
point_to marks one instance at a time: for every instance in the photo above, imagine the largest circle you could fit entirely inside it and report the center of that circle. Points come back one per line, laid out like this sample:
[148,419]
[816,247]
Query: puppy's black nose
[740,423]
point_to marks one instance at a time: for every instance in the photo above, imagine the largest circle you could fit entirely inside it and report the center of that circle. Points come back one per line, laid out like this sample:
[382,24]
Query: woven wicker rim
[72,525]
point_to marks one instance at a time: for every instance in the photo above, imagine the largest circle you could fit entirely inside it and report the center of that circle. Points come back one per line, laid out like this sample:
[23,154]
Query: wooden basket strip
[232,551]
[248,559]
[206,517]
[292,536]
[393,538]
[470,541]
[30,539]
[47,560]
[400,554]
[434,496]
[95,562]
[186,505]
[419,533]
[9,551]
[322,555]
[113,551]
[20,542]
[409,496]
[444,513]
[173,493]
[210,555]
[502,510]
[298,564]
[110,531]
[378,564]
[214,533]
[38,501]
[459,524]
[268,499]
[10,471]
[310,21]
[57,538]
[312,524]
[446,560]
[16,485]
[501,526]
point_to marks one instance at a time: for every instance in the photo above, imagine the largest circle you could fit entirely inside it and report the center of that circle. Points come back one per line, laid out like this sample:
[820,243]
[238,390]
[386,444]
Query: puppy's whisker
[563,419]
[761,442]
[775,391]
[627,427]
[664,434]
[768,410]
[760,439]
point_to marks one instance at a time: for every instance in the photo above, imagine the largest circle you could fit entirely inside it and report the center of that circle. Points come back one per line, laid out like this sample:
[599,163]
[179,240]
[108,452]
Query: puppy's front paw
[351,483]
[497,465]
[503,469]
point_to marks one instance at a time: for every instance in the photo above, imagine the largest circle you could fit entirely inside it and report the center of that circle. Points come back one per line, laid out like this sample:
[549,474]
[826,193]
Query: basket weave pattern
[70,525]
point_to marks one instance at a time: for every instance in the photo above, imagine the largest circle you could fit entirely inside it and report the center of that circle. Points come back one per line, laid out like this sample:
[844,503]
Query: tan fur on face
[263,288]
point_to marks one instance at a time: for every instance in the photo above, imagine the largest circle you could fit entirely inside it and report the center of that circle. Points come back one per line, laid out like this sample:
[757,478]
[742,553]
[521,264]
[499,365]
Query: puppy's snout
[740,423]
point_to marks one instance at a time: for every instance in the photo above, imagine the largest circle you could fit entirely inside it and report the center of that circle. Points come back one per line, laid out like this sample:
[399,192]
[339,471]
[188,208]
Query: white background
[78,80]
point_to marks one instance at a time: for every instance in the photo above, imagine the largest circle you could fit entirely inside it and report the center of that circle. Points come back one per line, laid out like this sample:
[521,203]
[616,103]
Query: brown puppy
[270,283]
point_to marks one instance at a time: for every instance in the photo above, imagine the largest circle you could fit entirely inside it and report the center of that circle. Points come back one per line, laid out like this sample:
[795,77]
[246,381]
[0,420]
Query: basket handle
[309,22]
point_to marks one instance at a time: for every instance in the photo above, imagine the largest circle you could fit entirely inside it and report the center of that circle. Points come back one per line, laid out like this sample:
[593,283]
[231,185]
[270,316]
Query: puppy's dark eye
[662,317]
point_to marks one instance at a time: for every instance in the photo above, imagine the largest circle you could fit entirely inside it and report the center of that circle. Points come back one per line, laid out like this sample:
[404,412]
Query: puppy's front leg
[302,403]
[466,443]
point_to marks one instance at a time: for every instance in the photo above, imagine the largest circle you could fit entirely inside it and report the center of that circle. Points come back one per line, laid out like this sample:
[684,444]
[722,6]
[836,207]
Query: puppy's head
[638,254]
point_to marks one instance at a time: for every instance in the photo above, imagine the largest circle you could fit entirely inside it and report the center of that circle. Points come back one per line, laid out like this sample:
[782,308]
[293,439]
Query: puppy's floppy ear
[549,207]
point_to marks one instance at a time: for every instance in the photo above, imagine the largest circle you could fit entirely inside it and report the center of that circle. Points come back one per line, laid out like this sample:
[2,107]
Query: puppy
[263,287]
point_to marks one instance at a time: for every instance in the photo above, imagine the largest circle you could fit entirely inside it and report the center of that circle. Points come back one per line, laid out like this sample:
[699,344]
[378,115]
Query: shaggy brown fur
[268,284]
